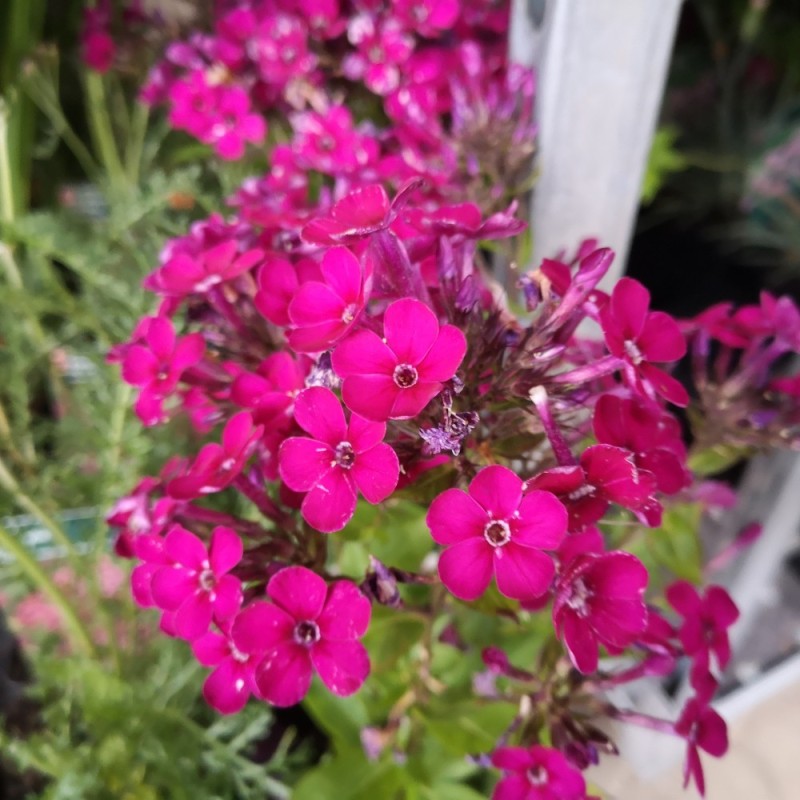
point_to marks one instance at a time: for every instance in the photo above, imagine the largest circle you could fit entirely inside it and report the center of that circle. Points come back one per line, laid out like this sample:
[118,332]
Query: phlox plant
[425,500]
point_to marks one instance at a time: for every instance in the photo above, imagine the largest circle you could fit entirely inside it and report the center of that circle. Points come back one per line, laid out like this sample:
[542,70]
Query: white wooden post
[602,66]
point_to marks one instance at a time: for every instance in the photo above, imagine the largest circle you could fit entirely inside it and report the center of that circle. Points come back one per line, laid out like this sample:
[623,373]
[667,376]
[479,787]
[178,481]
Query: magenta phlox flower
[783,319]
[493,530]
[321,312]
[308,627]
[536,773]
[278,282]
[703,729]
[397,376]
[381,48]
[599,600]
[232,680]
[324,17]
[650,433]
[97,48]
[464,220]
[280,49]
[217,464]
[329,142]
[149,549]
[639,337]
[428,18]
[269,392]
[156,366]
[337,461]
[235,124]
[704,630]
[606,475]
[185,274]
[358,214]
[196,585]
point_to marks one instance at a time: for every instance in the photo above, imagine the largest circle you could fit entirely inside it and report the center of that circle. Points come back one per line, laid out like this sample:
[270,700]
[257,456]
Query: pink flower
[427,17]
[363,211]
[704,630]
[308,627]
[229,686]
[186,274]
[494,530]
[216,465]
[652,435]
[278,281]
[640,336]
[599,600]
[322,312]
[98,50]
[156,367]
[195,585]
[703,729]
[606,474]
[536,773]
[397,376]
[338,462]
[381,49]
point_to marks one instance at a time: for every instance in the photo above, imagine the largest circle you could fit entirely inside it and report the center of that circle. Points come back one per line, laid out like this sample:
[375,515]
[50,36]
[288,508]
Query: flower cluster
[351,341]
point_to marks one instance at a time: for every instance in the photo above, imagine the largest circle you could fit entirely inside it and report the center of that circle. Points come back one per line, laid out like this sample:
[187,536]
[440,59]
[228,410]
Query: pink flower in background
[216,465]
[599,599]
[195,584]
[397,376]
[640,336]
[606,474]
[427,17]
[703,729]
[536,773]
[704,630]
[652,435]
[98,50]
[338,462]
[493,530]
[363,211]
[278,281]
[231,683]
[381,48]
[157,365]
[308,627]
[323,311]
[186,274]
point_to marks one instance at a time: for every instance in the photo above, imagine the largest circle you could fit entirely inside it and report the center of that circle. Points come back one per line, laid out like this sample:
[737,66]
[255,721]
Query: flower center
[349,314]
[405,376]
[345,455]
[238,655]
[581,492]
[578,597]
[206,580]
[306,633]
[537,776]
[497,533]
[633,352]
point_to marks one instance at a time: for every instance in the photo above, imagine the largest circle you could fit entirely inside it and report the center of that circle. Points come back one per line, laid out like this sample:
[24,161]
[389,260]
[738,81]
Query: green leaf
[717,459]
[676,546]
[342,718]
[465,728]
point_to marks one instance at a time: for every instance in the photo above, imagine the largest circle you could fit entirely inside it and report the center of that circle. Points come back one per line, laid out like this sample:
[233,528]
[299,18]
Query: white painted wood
[602,67]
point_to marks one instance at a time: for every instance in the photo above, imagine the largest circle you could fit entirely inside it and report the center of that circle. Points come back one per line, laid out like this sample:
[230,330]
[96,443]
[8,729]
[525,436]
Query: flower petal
[299,591]
[346,614]
[466,568]
[498,490]
[342,666]
[409,402]
[314,304]
[522,573]
[542,521]
[342,273]
[370,396]
[194,616]
[363,353]
[210,649]
[454,516]
[284,674]
[580,642]
[303,462]
[331,503]
[227,597]
[376,472]
[170,586]
[445,356]
[630,303]
[260,627]
[319,413]
[661,338]
[185,548]
[410,329]
[225,550]
[226,688]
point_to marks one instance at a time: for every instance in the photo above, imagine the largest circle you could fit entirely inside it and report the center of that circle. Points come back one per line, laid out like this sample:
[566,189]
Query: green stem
[31,567]
[135,144]
[27,503]
[103,131]
[6,181]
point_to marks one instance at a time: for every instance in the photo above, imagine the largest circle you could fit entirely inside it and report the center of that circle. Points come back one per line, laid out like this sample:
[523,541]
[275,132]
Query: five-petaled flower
[196,584]
[397,376]
[337,461]
[599,599]
[494,530]
[309,626]
[703,729]
[536,773]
